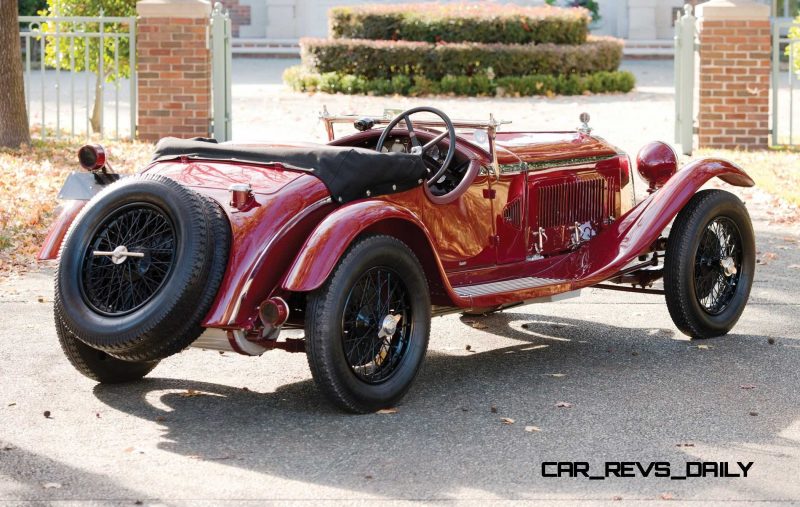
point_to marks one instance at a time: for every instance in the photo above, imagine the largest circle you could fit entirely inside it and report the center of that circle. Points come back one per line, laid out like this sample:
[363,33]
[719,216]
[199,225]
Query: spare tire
[140,268]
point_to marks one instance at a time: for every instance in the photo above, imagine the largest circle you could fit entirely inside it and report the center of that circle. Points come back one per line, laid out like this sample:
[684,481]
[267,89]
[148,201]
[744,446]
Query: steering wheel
[418,148]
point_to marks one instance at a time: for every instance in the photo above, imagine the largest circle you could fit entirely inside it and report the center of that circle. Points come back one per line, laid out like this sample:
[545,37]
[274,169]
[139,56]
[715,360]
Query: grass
[31,179]
[775,172]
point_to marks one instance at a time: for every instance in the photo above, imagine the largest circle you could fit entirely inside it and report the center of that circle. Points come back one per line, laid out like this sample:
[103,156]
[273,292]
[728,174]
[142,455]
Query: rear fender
[635,232]
[69,209]
[331,238]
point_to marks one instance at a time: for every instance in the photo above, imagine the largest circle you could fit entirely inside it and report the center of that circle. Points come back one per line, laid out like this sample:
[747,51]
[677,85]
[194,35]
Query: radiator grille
[579,201]
[512,213]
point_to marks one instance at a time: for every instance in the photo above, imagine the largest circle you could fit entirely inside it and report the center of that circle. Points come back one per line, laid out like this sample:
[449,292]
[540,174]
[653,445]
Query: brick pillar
[733,74]
[174,76]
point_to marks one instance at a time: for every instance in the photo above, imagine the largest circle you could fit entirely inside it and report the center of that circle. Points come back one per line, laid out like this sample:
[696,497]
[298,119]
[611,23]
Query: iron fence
[102,48]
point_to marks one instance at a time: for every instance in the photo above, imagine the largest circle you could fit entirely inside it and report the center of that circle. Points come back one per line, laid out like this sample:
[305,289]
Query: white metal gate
[62,60]
[785,111]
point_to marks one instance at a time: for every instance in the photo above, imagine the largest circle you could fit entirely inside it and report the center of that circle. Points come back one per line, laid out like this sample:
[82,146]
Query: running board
[505,286]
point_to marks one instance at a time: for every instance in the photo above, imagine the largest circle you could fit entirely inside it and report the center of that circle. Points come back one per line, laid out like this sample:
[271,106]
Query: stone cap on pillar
[732,10]
[191,9]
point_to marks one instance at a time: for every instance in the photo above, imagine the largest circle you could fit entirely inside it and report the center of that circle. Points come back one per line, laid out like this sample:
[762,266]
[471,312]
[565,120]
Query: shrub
[384,59]
[301,79]
[461,22]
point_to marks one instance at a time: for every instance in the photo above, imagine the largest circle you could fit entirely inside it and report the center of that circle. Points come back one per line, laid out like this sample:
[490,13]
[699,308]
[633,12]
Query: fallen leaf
[563,404]
[191,393]
[469,347]
[47,414]
[368,477]
[771,341]
[161,418]
[387,411]
[507,420]
[11,404]
[634,353]
[51,485]
[747,386]
[97,414]
[493,409]
[478,325]
[616,498]
[704,347]
[754,413]
[666,496]
[8,447]
[556,375]
[532,429]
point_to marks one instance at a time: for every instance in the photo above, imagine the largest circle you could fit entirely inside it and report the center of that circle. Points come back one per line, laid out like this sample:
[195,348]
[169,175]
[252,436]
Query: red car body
[549,217]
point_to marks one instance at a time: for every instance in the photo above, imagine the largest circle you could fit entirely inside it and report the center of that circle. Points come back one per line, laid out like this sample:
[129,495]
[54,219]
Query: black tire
[393,364]
[96,364]
[161,315]
[703,297]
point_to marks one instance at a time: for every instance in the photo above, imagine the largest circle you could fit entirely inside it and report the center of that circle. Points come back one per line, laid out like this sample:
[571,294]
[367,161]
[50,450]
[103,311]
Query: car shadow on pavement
[593,392]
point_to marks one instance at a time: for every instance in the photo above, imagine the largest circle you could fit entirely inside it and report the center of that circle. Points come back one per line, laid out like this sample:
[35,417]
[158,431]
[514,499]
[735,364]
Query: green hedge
[301,79]
[384,59]
[466,22]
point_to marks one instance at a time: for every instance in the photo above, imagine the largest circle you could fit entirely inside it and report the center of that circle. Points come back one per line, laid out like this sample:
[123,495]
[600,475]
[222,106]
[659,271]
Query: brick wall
[240,14]
[734,83]
[174,79]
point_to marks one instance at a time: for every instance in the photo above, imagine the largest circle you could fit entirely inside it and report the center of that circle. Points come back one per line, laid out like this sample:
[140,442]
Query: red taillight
[92,157]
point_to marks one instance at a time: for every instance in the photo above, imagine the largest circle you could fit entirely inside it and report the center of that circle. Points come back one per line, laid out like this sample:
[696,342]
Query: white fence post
[685,32]
[221,73]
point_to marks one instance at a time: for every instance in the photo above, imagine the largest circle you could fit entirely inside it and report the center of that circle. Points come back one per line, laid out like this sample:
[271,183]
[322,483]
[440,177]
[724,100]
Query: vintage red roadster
[361,241]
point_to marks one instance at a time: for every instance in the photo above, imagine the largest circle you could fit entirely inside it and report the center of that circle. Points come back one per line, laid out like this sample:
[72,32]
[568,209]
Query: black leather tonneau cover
[349,173]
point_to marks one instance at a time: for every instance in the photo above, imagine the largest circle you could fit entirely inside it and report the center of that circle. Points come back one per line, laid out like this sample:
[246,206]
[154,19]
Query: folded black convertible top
[348,173]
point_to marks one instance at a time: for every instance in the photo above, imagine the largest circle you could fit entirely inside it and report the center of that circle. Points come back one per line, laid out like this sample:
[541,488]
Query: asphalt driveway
[212,428]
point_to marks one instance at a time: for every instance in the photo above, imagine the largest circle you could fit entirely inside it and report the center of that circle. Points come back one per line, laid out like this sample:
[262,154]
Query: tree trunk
[98,102]
[14,130]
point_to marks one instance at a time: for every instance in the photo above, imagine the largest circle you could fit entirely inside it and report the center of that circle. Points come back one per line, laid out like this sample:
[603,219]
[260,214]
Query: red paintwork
[58,229]
[656,163]
[292,236]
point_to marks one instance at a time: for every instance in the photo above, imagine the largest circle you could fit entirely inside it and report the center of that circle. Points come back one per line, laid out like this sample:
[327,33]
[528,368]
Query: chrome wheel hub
[118,255]
[728,266]
[389,326]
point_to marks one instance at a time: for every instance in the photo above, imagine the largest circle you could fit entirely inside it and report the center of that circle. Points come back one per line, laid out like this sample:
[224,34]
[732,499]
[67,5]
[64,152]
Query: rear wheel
[98,365]
[709,264]
[140,268]
[367,327]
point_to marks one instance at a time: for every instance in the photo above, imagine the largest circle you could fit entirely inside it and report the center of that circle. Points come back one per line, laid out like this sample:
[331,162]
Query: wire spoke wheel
[717,265]
[128,259]
[377,325]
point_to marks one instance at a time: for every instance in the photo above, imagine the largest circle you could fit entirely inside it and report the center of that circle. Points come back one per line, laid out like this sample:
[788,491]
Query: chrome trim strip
[516,284]
[291,223]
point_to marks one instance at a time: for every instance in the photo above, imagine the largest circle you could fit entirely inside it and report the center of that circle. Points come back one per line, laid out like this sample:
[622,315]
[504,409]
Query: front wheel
[709,264]
[367,327]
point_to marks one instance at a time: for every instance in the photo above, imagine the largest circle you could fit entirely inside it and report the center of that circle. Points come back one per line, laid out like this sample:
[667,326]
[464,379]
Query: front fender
[331,238]
[634,233]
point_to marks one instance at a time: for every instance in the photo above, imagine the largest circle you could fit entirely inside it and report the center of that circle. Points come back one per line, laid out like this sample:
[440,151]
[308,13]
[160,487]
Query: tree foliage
[71,52]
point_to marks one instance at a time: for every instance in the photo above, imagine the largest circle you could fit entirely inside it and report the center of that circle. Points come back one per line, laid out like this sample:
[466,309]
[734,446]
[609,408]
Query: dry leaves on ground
[563,404]
[387,411]
[32,177]
[507,420]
